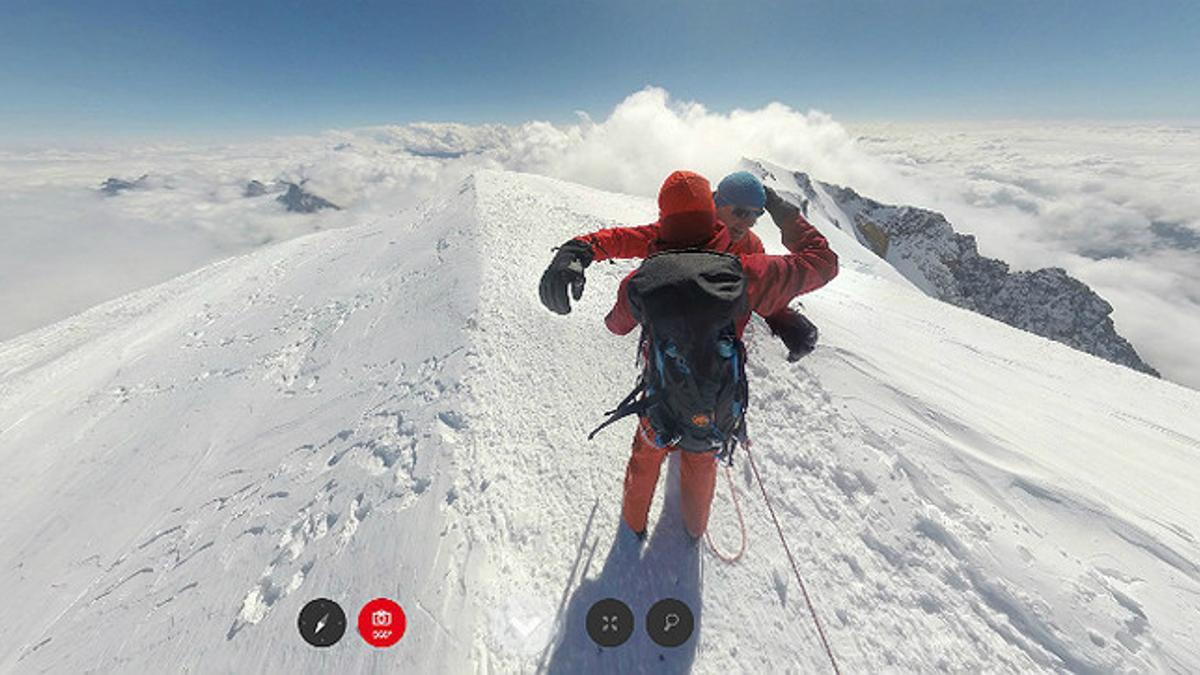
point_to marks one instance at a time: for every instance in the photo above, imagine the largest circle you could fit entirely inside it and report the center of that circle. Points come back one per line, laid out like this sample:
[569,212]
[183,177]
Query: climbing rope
[786,548]
[741,524]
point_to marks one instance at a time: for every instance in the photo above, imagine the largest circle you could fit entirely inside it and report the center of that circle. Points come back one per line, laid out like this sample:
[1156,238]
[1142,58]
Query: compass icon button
[322,622]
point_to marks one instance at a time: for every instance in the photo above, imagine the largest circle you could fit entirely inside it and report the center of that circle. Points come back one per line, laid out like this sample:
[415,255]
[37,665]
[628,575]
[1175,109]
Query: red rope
[741,524]
[803,589]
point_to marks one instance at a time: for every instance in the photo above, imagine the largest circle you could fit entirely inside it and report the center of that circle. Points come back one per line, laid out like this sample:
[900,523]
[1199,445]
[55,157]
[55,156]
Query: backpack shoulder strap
[628,407]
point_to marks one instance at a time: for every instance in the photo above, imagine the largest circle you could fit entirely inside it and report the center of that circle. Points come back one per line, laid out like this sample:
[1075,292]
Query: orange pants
[697,480]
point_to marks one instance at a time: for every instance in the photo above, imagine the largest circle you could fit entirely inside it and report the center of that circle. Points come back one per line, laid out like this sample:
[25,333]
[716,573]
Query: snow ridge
[388,410]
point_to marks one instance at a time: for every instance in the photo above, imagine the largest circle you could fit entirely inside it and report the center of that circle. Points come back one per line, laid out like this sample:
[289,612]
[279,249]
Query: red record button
[381,622]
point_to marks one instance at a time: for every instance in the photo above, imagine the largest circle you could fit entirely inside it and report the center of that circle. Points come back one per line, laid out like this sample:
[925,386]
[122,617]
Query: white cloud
[1035,196]
[1114,205]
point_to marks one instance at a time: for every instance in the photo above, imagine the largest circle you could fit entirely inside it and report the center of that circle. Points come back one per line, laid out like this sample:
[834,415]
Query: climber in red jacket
[687,219]
[740,199]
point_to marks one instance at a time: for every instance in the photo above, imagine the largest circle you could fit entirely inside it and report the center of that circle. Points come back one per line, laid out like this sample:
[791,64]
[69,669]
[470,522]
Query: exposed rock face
[924,247]
[294,198]
[297,200]
[254,189]
[115,186]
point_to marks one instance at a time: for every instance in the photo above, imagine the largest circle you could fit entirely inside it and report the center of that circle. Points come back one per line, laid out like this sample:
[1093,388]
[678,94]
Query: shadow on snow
[668,566]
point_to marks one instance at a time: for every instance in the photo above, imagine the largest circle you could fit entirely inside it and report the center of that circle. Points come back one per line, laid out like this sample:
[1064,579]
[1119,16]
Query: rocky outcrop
[298,200]
[254,189]
[115,186]
[294,198]
[923,246]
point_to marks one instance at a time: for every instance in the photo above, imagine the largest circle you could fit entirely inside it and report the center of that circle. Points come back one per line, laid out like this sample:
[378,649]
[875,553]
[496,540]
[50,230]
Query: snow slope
[388,410]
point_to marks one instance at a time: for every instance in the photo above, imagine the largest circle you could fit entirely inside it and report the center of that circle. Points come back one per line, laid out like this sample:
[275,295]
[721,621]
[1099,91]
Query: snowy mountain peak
[387,410]
[924,247]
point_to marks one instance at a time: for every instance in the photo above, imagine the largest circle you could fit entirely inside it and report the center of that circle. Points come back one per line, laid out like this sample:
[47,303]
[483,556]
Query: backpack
[692,387]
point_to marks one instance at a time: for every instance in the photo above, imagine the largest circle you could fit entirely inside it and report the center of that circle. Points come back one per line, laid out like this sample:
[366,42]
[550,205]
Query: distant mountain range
[293,196]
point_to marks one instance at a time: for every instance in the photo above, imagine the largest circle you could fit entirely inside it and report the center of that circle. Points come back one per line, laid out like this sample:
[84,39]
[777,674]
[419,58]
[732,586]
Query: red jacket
[641,241]
[771,280]
[747,244]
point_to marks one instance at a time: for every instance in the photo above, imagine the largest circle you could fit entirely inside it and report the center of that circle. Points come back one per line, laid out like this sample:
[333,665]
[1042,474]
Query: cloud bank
[1114,205]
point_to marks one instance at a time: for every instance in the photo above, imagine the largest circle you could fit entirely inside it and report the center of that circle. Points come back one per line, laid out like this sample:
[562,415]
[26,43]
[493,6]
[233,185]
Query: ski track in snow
[388,410]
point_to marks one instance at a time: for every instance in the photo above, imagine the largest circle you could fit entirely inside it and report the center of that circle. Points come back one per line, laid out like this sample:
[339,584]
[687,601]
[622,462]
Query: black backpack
[693,383]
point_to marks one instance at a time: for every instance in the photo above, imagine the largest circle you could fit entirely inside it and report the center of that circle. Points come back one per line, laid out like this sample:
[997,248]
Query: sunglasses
[742,212]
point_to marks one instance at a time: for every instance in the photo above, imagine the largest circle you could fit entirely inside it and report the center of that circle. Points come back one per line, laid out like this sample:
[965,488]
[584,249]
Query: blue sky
[155,69]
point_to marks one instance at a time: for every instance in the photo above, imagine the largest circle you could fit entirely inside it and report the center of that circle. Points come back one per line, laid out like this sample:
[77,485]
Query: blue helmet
[741,189]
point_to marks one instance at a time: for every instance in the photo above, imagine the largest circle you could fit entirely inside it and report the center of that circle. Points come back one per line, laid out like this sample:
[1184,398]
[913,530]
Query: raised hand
[565,270]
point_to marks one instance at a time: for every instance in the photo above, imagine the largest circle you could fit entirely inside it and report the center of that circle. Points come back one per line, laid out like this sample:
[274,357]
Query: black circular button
[670,623]
[322,622]
[610,622]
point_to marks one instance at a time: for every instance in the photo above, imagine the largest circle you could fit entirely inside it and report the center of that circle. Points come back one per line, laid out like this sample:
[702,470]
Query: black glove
[773,198]
[774,202]
[782,212]
[565,270]
[797,332]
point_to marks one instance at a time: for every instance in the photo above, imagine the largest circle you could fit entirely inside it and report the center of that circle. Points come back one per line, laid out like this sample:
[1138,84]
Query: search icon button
[670,622]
